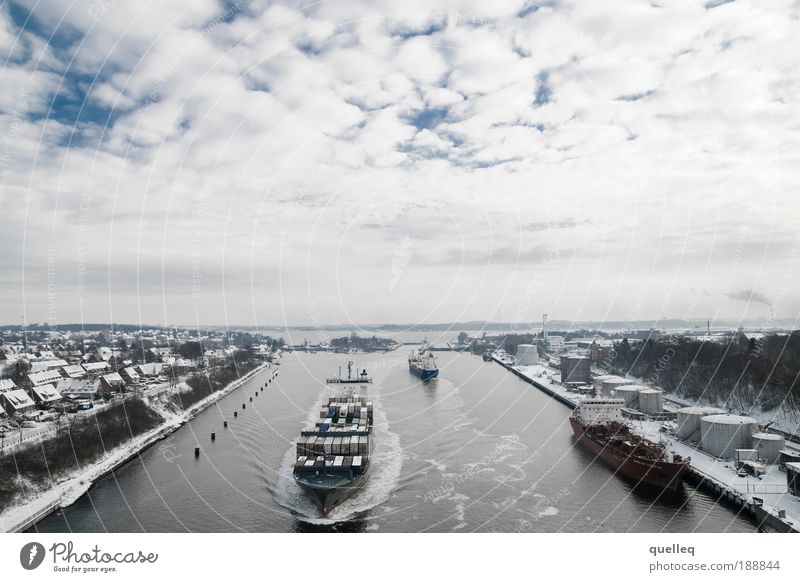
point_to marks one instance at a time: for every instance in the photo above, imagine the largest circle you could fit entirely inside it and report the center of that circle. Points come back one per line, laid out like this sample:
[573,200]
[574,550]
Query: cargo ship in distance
[422,363]
[359,378]
[598,425]
[334,457]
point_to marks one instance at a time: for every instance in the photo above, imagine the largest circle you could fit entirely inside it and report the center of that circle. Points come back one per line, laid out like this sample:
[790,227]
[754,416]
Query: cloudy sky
[365,161]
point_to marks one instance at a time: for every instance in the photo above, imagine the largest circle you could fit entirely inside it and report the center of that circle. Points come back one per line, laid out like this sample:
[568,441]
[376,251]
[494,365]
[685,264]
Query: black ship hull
[328,491]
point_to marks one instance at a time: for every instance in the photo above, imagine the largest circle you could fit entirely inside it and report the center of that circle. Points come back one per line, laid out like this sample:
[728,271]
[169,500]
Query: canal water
[477,449]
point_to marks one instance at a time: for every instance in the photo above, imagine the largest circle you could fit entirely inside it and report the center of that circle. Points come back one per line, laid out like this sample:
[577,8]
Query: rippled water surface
[475,450]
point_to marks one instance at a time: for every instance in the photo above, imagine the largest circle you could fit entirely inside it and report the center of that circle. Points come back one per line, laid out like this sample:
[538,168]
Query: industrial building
[575,369]
[527,355]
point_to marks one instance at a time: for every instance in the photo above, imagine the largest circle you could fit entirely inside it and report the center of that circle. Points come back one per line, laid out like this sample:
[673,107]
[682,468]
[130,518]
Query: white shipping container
[337,462]
[357,461]
[328,446]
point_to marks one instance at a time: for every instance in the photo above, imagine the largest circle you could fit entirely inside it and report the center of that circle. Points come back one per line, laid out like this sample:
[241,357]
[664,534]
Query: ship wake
[385,466]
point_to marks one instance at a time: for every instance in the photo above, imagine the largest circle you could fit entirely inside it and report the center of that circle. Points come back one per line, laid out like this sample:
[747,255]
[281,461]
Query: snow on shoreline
[70,489]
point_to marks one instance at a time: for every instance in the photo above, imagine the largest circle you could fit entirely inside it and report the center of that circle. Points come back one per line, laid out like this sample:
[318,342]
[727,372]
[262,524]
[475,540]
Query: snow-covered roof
[152,369]
[74,371]
[45,365]
[77,386]
[95,366]
[42,378]
[113,378]
[17,399]
[7,384]
[46,393]
[729,419]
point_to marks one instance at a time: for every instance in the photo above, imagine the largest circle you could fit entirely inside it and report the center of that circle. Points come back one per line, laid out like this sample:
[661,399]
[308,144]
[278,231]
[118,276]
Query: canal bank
[74,486]
[782,515]
[475,450]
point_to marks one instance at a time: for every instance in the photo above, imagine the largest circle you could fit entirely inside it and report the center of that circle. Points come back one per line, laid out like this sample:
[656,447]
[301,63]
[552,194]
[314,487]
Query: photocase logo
[31,555]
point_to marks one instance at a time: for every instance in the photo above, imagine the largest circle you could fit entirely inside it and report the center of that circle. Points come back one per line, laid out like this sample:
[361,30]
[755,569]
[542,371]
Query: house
[129,375]
[45,365]
[112,383]
[37,379]
[602,350]
[94,369]
[73,371]
[45,395]
[75,388]
[16,402]
[7,384]
[152,369]
[182,366]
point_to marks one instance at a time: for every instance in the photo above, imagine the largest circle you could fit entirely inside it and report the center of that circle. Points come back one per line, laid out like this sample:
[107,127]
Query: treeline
[203,385]
[741,374]
[364,344]
[76,444]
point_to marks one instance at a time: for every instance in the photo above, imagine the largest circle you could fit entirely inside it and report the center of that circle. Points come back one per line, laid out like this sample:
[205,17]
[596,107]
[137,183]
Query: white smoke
[749,295]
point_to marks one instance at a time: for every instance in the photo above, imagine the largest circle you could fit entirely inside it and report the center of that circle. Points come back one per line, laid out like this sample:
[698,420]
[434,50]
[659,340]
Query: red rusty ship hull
[662,474]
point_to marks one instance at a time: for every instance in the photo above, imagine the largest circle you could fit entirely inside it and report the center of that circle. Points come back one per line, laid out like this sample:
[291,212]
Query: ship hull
[661,474]
[327,495]
[423,374]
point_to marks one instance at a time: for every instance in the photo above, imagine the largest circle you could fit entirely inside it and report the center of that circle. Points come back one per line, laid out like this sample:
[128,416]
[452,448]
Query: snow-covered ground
[72,486]
[772,487]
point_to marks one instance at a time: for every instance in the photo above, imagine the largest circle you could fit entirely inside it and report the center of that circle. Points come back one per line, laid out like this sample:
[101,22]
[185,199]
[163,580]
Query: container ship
[598,425]
[422,363]
[334,457]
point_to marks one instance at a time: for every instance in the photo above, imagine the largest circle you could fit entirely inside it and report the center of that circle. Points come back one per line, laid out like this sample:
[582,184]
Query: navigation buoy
[197,451]
[225,424]
[235,414]
[244,406]
[251,399]
[213,436]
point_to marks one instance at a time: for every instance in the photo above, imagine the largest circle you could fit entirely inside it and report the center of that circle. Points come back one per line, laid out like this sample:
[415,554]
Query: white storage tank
[527,355]
[630,394]
[722,434]
[689,421]
[612,383]
[769,446]
[651,401]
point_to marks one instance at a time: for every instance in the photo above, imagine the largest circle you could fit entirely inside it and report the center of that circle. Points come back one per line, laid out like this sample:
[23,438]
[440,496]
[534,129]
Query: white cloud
[257,140]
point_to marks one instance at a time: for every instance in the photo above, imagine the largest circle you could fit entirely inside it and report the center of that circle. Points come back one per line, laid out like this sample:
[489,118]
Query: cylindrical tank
[630,394]
[527,355]
[651,401]
[769,446]
[612,383]
[721,434]
[689,421]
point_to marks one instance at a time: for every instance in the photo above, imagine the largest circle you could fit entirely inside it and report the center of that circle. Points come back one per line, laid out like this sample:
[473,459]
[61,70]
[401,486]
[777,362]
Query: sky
[307,163]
